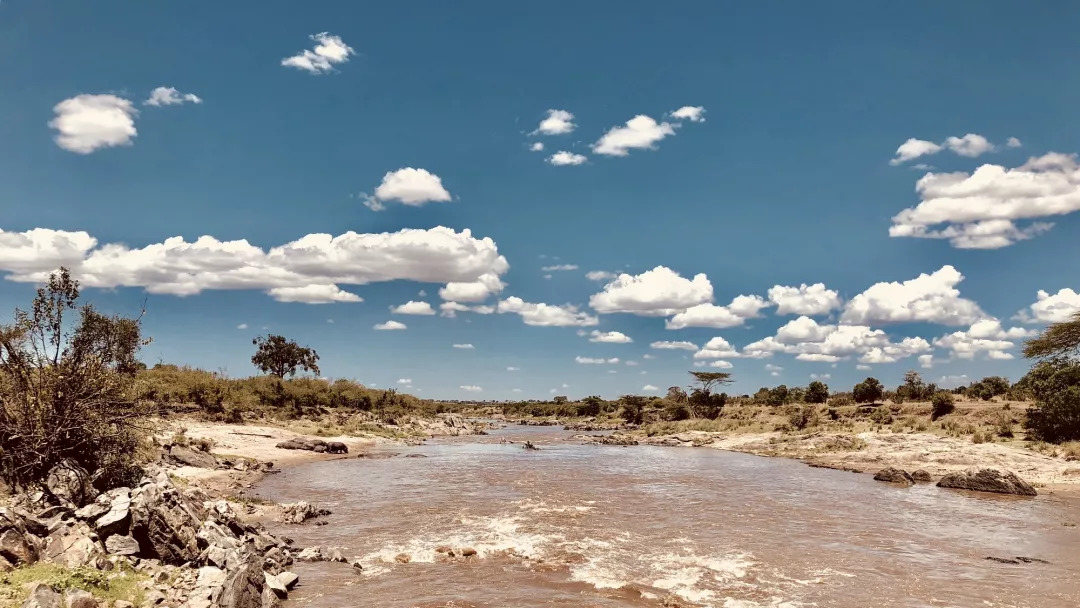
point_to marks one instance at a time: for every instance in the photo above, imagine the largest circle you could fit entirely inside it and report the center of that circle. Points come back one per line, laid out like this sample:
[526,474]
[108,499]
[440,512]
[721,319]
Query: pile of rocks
[299,512]
[314,445]
[979,480]
[197,553]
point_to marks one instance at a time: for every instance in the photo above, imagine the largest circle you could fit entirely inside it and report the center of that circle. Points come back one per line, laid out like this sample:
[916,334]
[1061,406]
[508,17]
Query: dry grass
[121,584]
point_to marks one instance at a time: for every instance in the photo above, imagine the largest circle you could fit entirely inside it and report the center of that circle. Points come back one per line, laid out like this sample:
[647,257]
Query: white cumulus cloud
[308,269]
[537,146]
[717,348]
[464,346]
[669,345]
[691,113]
[563,158]
[86,123]
[546,315]
[313,294]
[329,51]
[971,145]
[648,388]
[719,317]
[1061,306]
[470,388]
[640,133]
[931,298]
[611,337]
[413,307]
[559,268]
[804,300]
[992,207]
[659,292]
[408,186]
[558,122]
[984,336]
[596,361]
[169,96]
[390,326]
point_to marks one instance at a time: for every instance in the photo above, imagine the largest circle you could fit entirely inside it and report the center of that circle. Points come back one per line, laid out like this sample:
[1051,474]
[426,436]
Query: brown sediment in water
[582,525]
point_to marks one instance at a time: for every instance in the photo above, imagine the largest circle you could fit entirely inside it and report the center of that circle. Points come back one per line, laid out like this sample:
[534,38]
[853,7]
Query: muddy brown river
[603,526]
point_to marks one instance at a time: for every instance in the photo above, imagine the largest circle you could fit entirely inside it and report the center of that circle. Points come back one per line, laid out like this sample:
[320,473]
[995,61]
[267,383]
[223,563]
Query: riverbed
[606,526]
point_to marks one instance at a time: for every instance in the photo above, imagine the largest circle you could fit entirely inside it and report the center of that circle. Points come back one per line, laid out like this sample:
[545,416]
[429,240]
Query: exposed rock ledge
[197,552]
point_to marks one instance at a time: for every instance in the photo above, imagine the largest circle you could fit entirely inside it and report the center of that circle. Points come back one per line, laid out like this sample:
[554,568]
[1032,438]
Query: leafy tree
[996,385]
[590,406]
[778,396]
[1054,382]
[1055,385]
[633,408]
[280,357]
[941,404]
[675,411]
[868,391]
[560,399]
[710,380]
[66,389]
[703,403]
[817,392]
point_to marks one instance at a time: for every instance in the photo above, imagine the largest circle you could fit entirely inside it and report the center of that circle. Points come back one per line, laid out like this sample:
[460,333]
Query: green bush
[66,389]
[1055,386]
[801,417]
[881,415]
[941,404]
[674,412]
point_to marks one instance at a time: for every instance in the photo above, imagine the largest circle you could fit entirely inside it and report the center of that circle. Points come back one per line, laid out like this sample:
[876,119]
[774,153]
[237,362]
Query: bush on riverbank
[66,373]
[230,399]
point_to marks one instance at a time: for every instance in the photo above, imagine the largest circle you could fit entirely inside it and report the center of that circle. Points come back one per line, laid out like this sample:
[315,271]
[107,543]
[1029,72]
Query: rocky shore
[934,456]
[186,534]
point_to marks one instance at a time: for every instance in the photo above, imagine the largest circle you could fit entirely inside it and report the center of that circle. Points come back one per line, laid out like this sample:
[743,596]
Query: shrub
[801,417]
[817,392]
[897,397]
[674,412]
[881,415]
[840,401]
[66,389]
[941,404]
[868,391]
[1004,426]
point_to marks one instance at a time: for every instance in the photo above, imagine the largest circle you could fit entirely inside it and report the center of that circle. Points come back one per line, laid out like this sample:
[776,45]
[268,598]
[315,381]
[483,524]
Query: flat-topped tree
[710,380]
[1057,340]
[703,402]
[280,357]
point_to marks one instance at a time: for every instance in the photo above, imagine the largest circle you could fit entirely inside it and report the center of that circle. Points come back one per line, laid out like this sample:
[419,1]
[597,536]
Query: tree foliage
[868,391]
[1057,340]
[817,392]
[1055,385]
[66,373]
[280,357]
[702,401]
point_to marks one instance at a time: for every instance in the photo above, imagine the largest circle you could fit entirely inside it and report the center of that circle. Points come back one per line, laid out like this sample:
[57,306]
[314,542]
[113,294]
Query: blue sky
[782,145]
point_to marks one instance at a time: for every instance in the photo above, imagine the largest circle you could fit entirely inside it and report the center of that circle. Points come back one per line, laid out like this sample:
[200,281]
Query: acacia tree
[1054,382]
[280,357]
[703,403]
[66,374]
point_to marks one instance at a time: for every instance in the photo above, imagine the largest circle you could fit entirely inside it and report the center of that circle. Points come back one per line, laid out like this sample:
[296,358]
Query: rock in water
[921,476]
[894,475]
[275,585]
[288,579]
[42,596]
[988,480]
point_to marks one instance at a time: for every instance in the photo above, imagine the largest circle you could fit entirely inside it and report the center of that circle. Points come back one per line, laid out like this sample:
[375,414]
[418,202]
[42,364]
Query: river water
[606,526]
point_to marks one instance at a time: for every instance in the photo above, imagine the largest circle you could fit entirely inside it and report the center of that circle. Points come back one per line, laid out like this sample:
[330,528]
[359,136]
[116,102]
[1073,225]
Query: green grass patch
[118,584]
